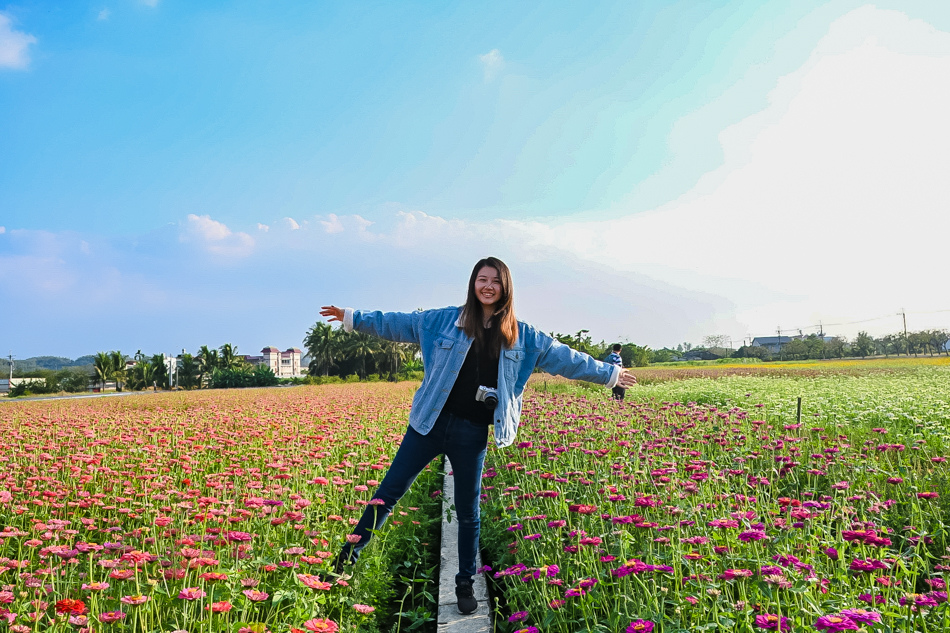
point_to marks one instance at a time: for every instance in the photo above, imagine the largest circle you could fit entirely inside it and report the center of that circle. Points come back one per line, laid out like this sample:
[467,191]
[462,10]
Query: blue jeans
[464,444]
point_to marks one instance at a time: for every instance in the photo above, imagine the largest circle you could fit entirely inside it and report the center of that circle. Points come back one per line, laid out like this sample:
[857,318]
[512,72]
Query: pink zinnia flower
[191,593]
[365,609]
[111,616]
[640,626]
[257,596]
[321,625]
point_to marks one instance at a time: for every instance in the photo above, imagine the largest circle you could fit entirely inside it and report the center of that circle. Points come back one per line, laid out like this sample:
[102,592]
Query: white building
[283,364]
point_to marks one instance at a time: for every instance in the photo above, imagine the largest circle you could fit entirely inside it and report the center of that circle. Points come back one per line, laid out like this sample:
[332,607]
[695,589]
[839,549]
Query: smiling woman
[478,359]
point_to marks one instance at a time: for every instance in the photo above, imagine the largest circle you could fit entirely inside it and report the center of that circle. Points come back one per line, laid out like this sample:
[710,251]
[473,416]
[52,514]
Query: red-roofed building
[284,364]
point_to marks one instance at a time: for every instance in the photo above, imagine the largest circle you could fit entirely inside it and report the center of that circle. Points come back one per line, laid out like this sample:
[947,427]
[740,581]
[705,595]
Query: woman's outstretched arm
[402,327]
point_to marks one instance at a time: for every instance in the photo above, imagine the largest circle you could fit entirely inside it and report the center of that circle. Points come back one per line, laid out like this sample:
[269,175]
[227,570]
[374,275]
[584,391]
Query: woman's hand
[627,379]
[334,313]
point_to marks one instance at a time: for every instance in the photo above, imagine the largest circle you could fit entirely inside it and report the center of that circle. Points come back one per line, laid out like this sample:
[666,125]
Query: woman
[477,361]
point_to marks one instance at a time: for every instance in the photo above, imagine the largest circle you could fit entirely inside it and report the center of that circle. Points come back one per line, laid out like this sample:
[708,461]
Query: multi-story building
[284,364]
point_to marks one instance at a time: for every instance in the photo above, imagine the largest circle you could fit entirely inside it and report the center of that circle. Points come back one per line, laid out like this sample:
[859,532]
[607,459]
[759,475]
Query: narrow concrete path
[450,620]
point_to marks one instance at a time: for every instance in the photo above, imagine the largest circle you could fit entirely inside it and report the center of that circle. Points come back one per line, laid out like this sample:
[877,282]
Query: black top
[478,369]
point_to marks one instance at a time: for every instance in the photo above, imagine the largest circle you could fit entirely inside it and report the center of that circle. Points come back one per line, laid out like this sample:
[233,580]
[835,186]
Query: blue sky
[173,175]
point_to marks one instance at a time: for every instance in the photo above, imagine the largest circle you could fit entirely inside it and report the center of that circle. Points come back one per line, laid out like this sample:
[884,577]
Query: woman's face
[488,286]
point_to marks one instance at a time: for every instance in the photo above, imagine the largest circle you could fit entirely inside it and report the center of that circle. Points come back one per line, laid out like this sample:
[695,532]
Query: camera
[488,395]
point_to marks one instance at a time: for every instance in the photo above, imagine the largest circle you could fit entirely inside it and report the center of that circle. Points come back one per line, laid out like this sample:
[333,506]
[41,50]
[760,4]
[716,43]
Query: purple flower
[752,535]
[831,552]
[640,626]
[837,622]
[518,616]
[772,622]
[862,616]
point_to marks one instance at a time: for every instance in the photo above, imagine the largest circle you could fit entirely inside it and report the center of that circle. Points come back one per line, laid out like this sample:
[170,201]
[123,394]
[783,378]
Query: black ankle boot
[465,595]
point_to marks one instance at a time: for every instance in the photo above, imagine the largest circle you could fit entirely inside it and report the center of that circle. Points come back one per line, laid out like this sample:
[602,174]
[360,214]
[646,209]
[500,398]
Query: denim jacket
[444,345]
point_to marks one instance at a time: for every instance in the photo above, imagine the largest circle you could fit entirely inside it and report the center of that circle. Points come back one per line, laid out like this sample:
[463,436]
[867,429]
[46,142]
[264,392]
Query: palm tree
[391,355]
[207,362]
[188,372]
[362,347]
[140,376]
[159,371]
[103,367]
[118,368]
[228,358]
[323,346]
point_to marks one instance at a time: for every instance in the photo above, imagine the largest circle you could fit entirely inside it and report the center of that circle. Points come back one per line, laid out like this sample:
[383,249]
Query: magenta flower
[752,535]
[640,626]
[837,622]
[862,616]
[518,616]
[772,622]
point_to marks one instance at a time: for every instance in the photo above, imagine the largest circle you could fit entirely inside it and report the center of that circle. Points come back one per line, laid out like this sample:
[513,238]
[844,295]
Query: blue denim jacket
[444,346]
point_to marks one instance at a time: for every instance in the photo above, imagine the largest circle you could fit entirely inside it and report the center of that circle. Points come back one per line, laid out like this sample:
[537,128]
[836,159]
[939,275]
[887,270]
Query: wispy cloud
[492,63]
[14,45]
[263,227]
[215,237]
[104,14]
[292,223]
[332,224]
[150,3]
[3,230]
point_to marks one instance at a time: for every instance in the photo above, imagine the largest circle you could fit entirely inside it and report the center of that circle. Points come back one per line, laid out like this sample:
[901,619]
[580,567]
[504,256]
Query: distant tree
[664,355]
[118,368]
[207,363]
[795,349]
[836,348]
[750,351]
[228,357]
[715,340]
[938,340]
[102,365]
[863,345]
[140,376]
[324,345]
[362,348]
[159,371]
[815,345]
[635,355]
[188,372]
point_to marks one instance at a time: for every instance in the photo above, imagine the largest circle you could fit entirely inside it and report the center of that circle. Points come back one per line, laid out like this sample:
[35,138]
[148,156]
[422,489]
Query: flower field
[707,505]
[206,512]
[701,504]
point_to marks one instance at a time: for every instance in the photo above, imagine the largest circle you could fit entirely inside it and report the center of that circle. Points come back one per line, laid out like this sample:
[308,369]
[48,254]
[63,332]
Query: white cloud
[292,223]
[263,227]
[104,14]
[215,237]
[492,63]
[332,224]
[822,195]
[3,230]
[14,45]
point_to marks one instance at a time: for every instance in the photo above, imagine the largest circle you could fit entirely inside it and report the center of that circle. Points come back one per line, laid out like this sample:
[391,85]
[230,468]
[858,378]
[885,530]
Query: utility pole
[10,384]
[906,341]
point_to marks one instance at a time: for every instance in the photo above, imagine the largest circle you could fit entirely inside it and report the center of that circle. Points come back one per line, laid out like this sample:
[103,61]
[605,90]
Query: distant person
[477,359]
[613,358]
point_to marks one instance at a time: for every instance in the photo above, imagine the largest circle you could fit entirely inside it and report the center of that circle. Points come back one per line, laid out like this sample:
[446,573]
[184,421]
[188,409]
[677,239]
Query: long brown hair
[504,330]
